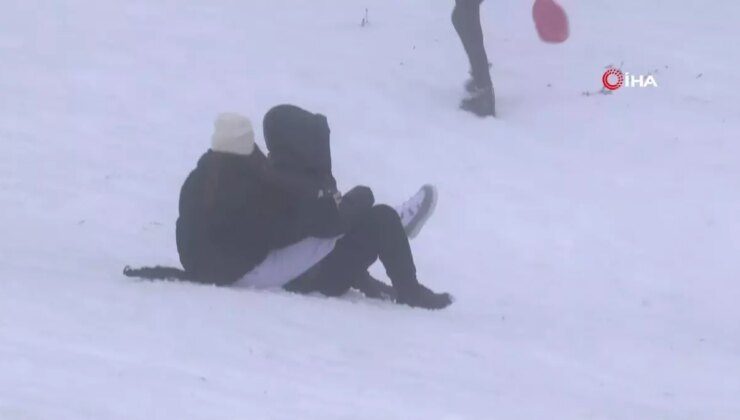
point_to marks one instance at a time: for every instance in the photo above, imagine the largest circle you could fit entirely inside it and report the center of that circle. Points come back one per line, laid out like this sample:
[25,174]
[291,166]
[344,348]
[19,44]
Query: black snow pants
[377,235]
[466,20]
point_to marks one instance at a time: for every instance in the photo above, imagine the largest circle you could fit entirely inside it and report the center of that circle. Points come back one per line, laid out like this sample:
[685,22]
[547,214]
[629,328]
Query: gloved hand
[335,194]
[329,187]
[337,197]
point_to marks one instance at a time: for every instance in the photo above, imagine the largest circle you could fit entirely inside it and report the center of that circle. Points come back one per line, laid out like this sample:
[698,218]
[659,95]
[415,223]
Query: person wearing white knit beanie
[232,133]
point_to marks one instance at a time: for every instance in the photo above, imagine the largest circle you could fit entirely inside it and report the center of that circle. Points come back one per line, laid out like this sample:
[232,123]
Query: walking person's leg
[466,20]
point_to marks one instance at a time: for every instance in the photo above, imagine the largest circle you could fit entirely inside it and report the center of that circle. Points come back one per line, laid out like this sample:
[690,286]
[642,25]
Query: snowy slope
[592,242]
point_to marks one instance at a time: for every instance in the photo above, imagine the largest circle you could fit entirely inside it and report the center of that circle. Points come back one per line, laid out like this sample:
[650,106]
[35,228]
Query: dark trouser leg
[466,19]
[379,234]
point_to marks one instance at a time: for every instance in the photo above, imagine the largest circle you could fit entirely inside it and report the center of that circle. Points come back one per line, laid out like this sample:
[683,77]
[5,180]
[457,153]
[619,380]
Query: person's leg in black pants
[466,20]
[379,235]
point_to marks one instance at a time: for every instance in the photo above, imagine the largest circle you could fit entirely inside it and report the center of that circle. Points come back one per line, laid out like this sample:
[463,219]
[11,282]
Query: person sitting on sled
[251,220]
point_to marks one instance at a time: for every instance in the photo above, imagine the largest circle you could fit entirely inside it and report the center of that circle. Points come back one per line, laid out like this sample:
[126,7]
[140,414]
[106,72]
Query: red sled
[551,21]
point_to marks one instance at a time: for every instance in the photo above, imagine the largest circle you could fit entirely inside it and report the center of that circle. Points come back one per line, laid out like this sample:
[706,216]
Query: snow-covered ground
[592,241]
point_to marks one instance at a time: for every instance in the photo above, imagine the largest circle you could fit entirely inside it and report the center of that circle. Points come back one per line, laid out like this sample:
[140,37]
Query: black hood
[298,140]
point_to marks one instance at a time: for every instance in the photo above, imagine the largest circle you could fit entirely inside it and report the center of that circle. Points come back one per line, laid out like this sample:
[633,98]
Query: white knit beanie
[232,133]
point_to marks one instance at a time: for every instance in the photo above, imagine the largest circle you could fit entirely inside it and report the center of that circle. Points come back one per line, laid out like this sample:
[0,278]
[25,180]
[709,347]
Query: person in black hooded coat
[298,143]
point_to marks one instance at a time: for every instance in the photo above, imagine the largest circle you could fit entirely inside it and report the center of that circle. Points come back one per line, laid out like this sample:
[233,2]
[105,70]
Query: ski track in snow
[591,241]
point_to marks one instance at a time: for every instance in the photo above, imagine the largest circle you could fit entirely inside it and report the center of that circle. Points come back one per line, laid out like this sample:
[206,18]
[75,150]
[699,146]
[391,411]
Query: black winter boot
[481,102]
[424,298]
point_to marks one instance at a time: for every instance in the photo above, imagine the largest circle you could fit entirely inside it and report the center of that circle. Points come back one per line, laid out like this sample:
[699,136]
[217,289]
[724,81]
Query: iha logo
[614,79]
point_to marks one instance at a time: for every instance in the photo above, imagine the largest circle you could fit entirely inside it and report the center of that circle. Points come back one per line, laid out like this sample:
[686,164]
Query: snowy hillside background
[592,241]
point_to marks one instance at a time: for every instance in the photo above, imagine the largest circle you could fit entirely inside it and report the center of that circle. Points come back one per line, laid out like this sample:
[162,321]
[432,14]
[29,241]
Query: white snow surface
[592,242]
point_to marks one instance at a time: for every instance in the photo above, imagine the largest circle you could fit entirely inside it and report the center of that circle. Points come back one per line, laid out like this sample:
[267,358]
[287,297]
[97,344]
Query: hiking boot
[417,210]
[481,102]
[470,85]
[424,298]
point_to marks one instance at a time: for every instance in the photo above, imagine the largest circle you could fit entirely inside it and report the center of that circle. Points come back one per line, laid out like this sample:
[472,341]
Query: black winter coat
[224,225]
